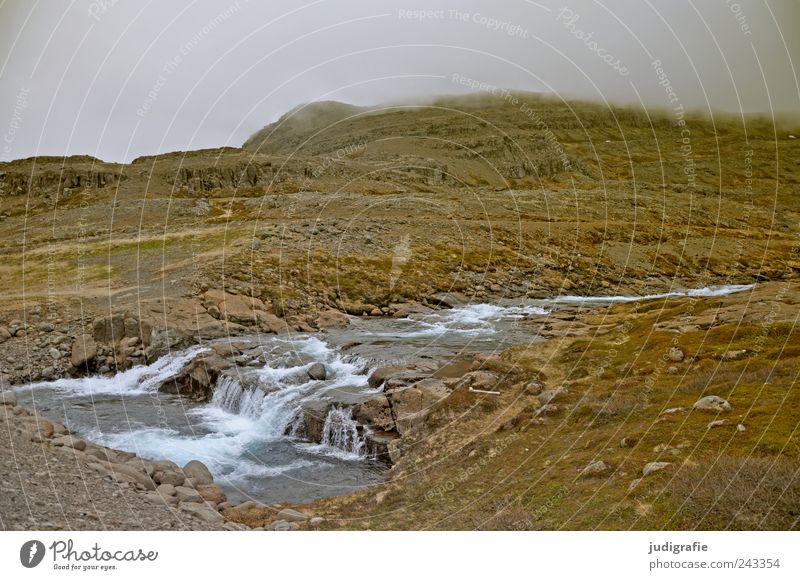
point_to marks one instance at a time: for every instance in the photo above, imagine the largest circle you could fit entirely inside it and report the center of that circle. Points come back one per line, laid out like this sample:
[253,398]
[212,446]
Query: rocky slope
[375,212]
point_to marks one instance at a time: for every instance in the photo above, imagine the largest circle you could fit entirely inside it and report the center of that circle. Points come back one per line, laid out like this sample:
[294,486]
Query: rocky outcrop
[84,352]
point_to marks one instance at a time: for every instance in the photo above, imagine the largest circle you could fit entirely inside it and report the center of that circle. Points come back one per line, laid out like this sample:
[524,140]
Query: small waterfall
[231,396]
[341,431]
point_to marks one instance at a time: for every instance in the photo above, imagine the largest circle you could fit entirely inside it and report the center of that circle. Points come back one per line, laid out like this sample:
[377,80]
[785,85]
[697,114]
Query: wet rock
[198,471]
[551,395]
[448,299]
[84,351]
[713,403]
[71,442]
[317,372]
[212,493]
[314,415]
[198,378]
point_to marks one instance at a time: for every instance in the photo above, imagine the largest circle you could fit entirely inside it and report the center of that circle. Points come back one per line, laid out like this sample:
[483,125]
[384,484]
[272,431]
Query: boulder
[332,319]
[133,474]
[713,403]
[203,512]
[169,476]
[212,493]
[408,308]
[110,329]
[675,354]
[317,372]
[4,334]
[39,427]
[199,377]
[187,494]
[281,526]
[314,416]
[70,441]
[376,413]
[654,466]
[382,374]
[8,398]
[550,395]
[291,515]
[198,471]
[166,489]
[411,405]
[448,299]
[46,327]
[84,351]
[595,469]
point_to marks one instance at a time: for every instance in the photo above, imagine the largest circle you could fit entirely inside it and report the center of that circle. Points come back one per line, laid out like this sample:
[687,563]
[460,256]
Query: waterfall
[341,431]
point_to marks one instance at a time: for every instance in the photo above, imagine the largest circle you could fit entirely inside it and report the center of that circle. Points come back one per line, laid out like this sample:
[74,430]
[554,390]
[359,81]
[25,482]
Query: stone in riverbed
[199,472]
[317,372]
[332,319]
[70,441]
[375,412]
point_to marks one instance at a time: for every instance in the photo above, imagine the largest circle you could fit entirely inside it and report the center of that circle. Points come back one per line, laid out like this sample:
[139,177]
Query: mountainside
[393,210]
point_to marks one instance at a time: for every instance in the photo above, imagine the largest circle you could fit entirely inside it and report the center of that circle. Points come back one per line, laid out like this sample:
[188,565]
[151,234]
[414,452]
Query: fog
[119,79]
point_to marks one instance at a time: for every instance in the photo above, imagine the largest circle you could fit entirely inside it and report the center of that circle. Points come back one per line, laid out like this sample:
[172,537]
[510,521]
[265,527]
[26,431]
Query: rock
[291,515]
[132,473]
[203,512]
[84,351]
[534,388]
[410,405]
[317,372]
[408,308]
[332,319]
[199,472]
[166,489]
[595,468]
[110,329]
[187,494]
[281,526]
[199,377]
[54,353]
[382,374]
[169,478]
[717,423]
[548,409]
[8,398]
[481,380]
[741,428]
[375,312]
[551,395]
[448,299]
[380,497]
[713,403]
[46,327]
[628,442]
[4,334]
[38,426]
[375,412]
[316,521]
[70,441]
[212,493]
[654,466]
[634,484]
[734,354]
[675,354]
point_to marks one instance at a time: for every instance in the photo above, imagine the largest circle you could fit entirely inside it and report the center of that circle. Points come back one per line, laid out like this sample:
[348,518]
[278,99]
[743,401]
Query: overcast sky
[119,79]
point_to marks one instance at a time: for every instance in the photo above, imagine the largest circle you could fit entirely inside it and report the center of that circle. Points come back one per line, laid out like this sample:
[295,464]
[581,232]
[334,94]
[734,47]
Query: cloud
[119,79]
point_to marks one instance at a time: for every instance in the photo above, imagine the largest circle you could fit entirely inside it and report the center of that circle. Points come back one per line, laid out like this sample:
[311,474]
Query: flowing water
[249,433]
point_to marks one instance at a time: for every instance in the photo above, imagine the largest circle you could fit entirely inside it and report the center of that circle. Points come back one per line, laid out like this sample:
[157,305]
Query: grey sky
[128,78]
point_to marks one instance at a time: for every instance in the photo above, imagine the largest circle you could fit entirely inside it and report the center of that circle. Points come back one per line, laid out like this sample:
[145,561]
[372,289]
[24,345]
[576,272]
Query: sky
[117,79]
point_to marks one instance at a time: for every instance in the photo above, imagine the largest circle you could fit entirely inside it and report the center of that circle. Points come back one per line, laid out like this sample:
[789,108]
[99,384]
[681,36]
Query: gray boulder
[199,472]
[318,372]
[713,403]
